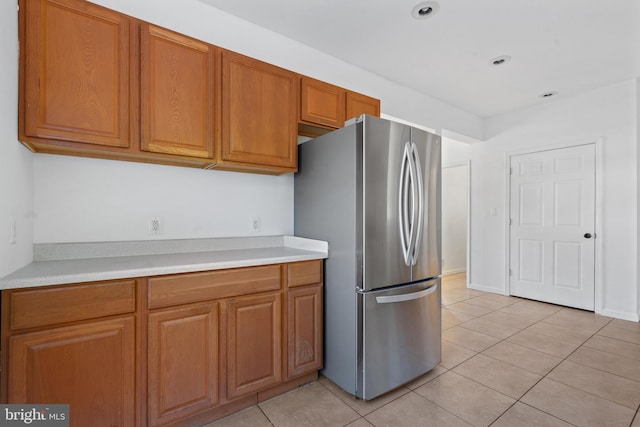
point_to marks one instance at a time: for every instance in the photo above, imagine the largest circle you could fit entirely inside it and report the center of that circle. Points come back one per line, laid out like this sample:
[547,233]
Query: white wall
[454,219]
[16,181]
[101,200]
[609,113]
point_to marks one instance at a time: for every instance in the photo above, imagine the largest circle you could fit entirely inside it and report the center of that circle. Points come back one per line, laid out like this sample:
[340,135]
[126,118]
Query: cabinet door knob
[587,235]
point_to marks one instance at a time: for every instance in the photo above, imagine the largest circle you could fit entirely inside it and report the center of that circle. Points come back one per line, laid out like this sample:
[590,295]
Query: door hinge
[510,221]
[510,171]
[510,272]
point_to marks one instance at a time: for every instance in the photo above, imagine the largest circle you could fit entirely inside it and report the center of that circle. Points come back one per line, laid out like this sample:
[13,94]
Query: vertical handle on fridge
[407,204]
[419,205]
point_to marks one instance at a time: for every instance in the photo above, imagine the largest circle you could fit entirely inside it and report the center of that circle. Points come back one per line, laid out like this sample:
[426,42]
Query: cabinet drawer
[305,273]
[50,306]
[192,287]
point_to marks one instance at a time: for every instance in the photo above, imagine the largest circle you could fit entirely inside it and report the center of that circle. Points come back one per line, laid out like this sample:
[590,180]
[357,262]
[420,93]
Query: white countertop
[56,264]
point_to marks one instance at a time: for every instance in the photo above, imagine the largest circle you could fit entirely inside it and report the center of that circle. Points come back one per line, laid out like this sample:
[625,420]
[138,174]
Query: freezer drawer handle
[407,297]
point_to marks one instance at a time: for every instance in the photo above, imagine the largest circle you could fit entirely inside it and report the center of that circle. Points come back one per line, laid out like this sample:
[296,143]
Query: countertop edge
[69,271]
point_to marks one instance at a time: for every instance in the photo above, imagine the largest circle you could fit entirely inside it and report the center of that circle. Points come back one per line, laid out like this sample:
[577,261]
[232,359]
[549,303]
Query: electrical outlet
[254,224]
[12,231]
[155,225]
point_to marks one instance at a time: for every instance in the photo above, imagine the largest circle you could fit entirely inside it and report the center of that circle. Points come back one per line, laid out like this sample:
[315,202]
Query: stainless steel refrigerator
[372,190]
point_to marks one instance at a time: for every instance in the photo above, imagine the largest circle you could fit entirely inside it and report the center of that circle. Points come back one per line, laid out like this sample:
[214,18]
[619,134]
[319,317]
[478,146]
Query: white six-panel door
[552,230]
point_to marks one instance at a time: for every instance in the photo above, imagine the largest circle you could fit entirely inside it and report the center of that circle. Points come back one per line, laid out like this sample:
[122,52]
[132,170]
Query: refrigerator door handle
[407,297]
[403,205]
[419,205]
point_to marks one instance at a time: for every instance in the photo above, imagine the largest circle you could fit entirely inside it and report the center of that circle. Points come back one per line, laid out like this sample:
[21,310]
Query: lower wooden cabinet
[182,362]
[304,330]
[254,336]
[90,366]
[120,354]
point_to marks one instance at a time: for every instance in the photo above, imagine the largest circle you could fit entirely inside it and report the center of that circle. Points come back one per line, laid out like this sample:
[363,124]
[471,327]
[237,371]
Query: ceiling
[564,46]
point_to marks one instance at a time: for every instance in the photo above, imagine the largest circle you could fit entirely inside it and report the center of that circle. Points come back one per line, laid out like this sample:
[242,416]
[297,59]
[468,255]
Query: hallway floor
[506,362]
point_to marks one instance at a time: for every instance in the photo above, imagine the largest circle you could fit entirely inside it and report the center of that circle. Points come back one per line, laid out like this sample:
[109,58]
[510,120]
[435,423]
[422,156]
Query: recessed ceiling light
[425,9]
[500,60]
[547,94]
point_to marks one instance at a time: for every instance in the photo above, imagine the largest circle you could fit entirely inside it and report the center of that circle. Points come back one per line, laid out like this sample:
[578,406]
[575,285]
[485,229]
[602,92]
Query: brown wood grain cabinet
[183,370]
[325,107]
[254,337]
[357,104]
[321,103]
[304,318]
[84,356]
[75,76]
[177,93]
[181,349]
[259,115]
[97,83]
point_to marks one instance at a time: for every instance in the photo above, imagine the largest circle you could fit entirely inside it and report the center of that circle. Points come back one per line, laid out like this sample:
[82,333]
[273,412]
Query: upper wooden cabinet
[324,107]
[177,93]
[321,103]
[98,83]
[74,76]
[259,115]
[358,104]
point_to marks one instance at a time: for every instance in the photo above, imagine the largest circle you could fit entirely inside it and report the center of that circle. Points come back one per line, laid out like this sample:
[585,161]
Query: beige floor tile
[576,406]
[454,296]
[492,301]
[250,417]
[585,321]
[469,400]
[523,357]
[434,373]
[360,422]
[453,355]
[509,319]
[533,314]
[362,407]
[620,333]
[521,415]
[542,307]
[311,405]
[619,365]
[543,343]
[412,410]
[573,336]
[470,339]
[487,327]
[498,375]
[612,345]
[603,384]
[466,308]
[452,318]
[626,324]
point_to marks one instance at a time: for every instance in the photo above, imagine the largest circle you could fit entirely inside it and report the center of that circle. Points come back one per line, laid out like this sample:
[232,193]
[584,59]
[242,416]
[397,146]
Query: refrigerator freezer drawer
[400,338]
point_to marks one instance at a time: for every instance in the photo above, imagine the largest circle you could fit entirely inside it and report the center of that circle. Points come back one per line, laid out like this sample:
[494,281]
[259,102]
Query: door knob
[587,236]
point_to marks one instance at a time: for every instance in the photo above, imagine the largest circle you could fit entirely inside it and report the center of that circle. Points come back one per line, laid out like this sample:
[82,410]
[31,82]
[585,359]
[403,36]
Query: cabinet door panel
[321,103]
[183,362]
[91,367]
[304,326]
[259,112]
[76,80]
[177,94]
[358,104]
[254,344]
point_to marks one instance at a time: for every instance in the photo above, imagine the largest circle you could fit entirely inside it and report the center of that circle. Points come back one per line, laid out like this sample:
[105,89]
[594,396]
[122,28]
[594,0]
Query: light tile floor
[506,362]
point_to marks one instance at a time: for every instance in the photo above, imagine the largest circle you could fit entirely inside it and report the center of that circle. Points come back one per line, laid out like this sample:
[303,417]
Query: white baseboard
[483,288]
[623,315]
